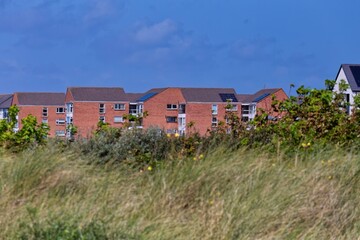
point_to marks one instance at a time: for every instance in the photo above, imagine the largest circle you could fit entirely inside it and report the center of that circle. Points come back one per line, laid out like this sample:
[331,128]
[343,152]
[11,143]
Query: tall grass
[242,194]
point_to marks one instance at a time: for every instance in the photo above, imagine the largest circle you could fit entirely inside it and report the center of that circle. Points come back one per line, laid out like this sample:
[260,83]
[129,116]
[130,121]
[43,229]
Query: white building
[350,73]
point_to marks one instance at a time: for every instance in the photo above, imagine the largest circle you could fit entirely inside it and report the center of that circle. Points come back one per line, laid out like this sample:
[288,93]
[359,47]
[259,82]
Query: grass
[245,194]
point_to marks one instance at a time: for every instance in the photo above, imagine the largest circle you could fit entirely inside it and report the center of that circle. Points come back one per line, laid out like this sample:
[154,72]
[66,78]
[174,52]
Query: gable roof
[208,94]
[98,94]
[352,73]
[40,98]
[133,97]
[258,96]
[263,93]
[6,100]
[244,98]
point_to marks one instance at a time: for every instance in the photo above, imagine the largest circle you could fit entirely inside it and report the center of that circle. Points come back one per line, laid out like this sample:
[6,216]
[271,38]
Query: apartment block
[47,107]
[86,106]
[173,109]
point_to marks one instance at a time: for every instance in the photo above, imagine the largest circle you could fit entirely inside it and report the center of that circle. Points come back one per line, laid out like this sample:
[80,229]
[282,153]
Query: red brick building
[86,106]
[173,109]
[252,103]
[47,107]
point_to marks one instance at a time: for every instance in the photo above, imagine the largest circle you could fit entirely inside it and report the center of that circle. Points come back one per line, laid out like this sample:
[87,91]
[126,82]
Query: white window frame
[60,133]
[119,106]
[45,120]
[171,117]
[214,109]
[69,107]
[214,123]
[63,110]
[171,106]
[233,108]
[101,108]
[60,121]
[118,119]
[45,112]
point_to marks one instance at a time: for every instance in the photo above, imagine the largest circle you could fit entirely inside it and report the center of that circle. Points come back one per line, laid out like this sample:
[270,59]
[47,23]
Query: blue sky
[47,45]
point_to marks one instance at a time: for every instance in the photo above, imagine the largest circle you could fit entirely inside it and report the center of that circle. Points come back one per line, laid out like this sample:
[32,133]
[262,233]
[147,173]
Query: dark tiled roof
[352,75]
[149,94]
[98,94]
[40,98]
[133,97]
[244,98]
[6,100]
[206,94]
[258,96]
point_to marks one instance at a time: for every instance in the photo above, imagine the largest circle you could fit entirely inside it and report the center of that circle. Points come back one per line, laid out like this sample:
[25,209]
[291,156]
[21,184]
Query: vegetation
[30,134]
[292,173]
[242,194]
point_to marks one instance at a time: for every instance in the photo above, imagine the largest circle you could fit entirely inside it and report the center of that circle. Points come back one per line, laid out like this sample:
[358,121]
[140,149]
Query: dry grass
[240,195]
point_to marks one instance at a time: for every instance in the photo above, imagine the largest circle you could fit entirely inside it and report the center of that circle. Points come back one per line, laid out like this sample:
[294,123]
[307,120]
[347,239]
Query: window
[101,108]
[214,109]
[171,106]
[102,119]
[60,110]
[119,106]
[182,108]
[60,133]
[231,107]
[118,119]
[214,122]
[45,120]
[69,107]
[69,120]
[45,112]
[245,109]
[60,121]
[171,119]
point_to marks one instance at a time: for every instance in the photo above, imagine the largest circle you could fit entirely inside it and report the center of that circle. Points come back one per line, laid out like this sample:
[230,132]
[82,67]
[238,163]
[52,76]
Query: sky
[48,45]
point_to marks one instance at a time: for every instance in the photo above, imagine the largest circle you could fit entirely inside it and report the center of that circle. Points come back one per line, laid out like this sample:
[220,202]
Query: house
[47,107]
[350,73]
[5,103]
[252,103]
[173,109]
[86,106]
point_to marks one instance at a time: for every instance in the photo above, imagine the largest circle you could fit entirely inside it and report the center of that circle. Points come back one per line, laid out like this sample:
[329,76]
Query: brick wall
[201,115]
[157,109]
[51,118]
[265,104]
[86,115]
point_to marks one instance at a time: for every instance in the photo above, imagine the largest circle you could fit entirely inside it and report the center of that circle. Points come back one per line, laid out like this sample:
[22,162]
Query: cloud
[161,44]
[156,32]
[253,50]
[100,9]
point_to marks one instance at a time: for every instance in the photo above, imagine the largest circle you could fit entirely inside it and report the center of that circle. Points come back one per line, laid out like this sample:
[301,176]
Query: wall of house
[86,115]
[51,117]
[342,76]
[156,108]
[265,104]
[201,115]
